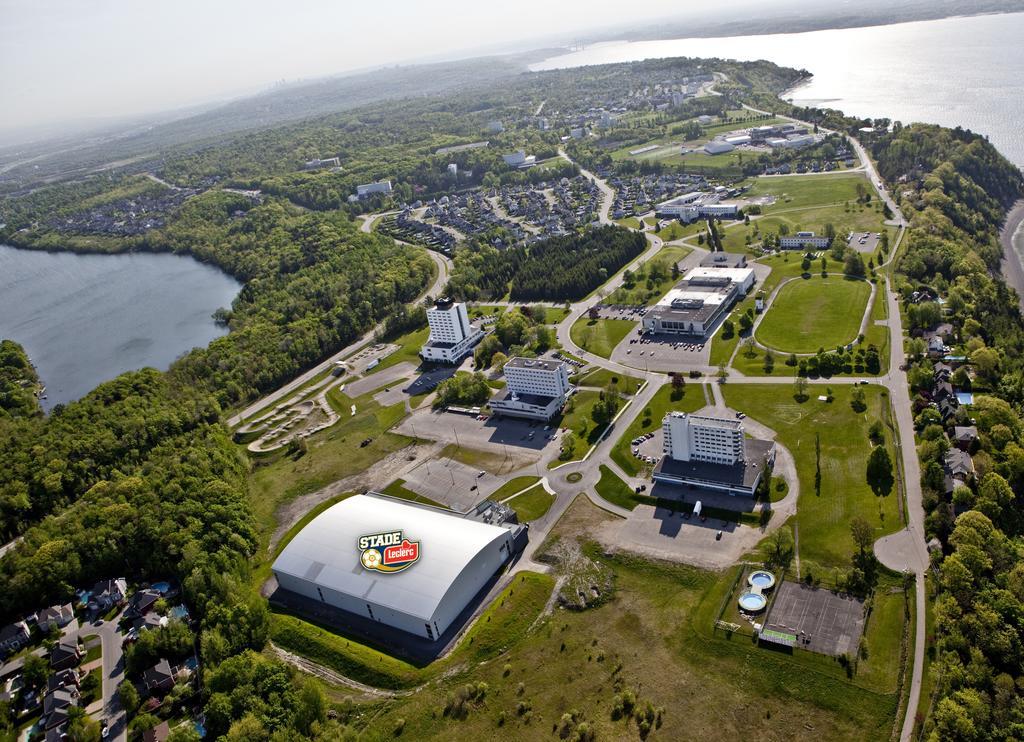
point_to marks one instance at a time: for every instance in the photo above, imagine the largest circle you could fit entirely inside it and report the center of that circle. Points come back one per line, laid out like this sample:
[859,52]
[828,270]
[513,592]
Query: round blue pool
[753,602]
[762,579]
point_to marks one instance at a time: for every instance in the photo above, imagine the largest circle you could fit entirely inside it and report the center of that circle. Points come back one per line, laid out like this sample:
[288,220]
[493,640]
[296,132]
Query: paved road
[443,267]
[905,551]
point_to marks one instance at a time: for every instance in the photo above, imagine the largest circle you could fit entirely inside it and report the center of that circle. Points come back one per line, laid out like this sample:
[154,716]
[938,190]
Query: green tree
[854,265]
[879,471]
[862,532]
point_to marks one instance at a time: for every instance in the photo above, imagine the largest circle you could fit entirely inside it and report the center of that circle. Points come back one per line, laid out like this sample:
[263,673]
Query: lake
[956,72]
[84,319]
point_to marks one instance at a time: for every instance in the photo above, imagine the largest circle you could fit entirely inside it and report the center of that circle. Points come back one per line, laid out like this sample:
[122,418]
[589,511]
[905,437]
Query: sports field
[814,313]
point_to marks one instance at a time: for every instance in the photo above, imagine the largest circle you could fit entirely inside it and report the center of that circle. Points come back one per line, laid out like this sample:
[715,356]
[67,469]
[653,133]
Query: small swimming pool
[162,587]
[762,579]
[752,602]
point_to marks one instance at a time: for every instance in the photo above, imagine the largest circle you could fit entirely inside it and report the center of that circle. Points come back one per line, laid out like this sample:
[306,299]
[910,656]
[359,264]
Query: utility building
[409,566]
[535,388]
[452,336]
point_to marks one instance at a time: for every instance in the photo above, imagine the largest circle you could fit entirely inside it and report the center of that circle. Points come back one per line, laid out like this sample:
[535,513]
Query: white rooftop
[736,275]
[325,551]
[677,296]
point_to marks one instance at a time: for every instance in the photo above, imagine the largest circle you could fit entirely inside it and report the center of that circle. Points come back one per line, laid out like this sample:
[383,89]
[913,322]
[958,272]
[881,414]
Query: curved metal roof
[326,552]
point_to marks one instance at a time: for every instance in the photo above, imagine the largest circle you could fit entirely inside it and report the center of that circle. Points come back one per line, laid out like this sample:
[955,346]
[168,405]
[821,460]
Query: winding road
[903,551]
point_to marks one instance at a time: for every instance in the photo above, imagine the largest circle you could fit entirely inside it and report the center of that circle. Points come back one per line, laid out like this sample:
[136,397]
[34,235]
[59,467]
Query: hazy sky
[67,60]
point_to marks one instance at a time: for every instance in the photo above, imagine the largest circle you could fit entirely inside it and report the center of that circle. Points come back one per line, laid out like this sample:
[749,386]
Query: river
[84,319]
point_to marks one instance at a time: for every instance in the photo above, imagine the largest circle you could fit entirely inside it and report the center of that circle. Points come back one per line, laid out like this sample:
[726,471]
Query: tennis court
[822,620]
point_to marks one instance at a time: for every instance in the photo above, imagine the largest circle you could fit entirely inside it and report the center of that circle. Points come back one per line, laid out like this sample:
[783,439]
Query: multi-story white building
[535,388]
[519,159]
[712,452]
[802,240]
[452,336]
[717,440]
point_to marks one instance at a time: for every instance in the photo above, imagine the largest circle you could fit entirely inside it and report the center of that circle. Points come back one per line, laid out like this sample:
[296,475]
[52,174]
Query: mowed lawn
[532,504]
[824,520]
[814,313]
[600,336]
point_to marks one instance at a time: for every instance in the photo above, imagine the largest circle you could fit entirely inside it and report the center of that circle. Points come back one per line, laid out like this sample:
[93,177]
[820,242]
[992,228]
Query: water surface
[956,72]
[84,319]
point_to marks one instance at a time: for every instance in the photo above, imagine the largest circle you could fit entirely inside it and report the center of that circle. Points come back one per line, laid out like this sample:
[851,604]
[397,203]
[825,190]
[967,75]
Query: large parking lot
[823,621]
[457,485]
[504,436]
[662,352]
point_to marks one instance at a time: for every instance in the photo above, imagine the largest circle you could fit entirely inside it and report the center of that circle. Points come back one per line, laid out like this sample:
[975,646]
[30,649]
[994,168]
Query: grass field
[652,637]
[532,504]
[600,336]
[577,419]
[792,191]
[651,280]
[650,419]
[512,486]
[602,377]
[814,313]
[332,455]
[824,520]
[614,490]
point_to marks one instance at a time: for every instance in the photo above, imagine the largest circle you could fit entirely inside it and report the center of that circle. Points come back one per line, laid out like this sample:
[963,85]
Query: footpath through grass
[814,313]
[824,519]
[600,336]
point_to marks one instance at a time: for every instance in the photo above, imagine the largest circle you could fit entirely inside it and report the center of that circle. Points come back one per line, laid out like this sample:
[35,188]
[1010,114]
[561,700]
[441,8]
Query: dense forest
[558,269]
[18,382]
[956,189]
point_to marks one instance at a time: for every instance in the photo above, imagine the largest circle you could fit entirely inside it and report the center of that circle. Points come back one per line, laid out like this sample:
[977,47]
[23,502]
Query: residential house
[959,468]
[964,436]
[948,407]
[943,390]
[942,372]
[159,678]
[108,593]
[142,602]
[56,616]
[56,734]
[65,655]
[159,733]
[14,636]
[62,679]
[56,704]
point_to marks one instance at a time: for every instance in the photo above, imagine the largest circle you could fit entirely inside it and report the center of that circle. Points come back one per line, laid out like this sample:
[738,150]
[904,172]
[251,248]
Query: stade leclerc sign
[388,552]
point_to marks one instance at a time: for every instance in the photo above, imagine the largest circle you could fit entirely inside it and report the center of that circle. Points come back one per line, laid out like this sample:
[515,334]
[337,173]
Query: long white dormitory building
[452,336]
[534,388]
[699,438]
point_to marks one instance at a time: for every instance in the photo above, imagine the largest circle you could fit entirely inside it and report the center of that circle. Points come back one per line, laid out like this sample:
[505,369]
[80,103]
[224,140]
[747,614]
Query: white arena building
[409,566]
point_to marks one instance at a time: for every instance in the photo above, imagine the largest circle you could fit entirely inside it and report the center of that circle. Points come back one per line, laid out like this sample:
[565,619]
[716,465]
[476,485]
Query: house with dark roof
[62,679]
[142,602]
[948,407]
[942,371]
[57,616]
[959,468]
[65,654]
[108,593]
[964,436]
[159,678]
[14,636]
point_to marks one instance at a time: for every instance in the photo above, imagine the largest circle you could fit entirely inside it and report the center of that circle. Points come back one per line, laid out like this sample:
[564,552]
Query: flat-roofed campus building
[452,335]
[724,260]
[409,566]
[695,205]
[535,388]
[699,301]
[803,240]
[712,452]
